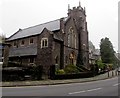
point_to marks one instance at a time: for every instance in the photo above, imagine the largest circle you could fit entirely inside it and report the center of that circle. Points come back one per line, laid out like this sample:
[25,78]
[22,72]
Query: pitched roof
[97,52]
[23,51]
[57,37]
[52,26]
[117,55]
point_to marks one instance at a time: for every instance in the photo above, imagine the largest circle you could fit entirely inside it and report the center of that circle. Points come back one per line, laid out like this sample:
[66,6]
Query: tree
[107,51]
[2,38]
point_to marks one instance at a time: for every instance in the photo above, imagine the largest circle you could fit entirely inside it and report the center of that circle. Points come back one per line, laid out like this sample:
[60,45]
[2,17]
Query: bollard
[112,73]
[108,73]
[116,72]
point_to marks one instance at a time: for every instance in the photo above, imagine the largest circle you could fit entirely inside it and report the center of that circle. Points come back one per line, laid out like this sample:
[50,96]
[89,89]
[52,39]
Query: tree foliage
[107,51]
[60,72]
[100,64]
[2,38]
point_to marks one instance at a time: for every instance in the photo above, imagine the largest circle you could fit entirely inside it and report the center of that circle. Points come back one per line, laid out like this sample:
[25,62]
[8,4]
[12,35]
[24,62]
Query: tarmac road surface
[108,87]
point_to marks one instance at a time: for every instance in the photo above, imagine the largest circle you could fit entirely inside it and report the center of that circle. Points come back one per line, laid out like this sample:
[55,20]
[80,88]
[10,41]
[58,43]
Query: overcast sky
[102,16]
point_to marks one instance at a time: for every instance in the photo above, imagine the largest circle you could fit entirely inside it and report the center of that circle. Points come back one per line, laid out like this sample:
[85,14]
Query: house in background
[52,43]
[1,49]
[94,54]
[4,53]
[117,55]
[1,56]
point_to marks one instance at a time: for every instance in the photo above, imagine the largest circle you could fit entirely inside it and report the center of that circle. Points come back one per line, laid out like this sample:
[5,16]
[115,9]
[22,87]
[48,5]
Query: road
[108,87]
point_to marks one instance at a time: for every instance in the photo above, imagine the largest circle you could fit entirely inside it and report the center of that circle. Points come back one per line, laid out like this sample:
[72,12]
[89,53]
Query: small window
[15,44]
[31,40]
[44,42]
[31,60]
[22,42]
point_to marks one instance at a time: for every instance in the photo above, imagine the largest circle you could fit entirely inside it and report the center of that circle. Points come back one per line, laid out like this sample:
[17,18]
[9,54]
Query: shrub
[69,69]
[36,72]
[60,72]
[14,64]
[100,64]
[12,73]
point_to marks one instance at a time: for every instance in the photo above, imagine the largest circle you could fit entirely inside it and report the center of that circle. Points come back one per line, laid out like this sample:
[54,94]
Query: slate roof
[57,37]
[97,52]
[52,26]
[117,55]
[23,51]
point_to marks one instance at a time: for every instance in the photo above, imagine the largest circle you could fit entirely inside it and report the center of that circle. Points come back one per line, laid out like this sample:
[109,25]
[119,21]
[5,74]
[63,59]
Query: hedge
[74,76]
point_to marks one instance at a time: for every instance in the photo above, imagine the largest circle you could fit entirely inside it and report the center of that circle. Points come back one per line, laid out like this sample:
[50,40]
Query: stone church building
[57,42]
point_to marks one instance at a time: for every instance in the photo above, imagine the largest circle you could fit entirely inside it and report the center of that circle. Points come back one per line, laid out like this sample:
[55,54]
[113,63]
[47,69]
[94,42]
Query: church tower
[78,15]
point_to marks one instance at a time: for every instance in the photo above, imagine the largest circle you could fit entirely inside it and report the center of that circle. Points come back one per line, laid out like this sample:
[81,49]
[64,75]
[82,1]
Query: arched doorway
[72,58]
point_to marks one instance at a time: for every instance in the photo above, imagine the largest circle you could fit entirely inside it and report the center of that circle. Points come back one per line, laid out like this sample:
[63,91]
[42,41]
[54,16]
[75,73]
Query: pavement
[54,82]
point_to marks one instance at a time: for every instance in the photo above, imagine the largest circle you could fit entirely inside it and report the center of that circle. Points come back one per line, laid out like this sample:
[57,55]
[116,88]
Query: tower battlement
[76,9]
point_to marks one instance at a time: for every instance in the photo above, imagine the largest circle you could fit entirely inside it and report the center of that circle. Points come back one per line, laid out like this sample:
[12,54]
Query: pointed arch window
[71,38]
[75,41]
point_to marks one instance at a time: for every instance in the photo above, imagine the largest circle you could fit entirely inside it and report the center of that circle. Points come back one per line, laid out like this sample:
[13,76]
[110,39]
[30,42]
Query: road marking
[94,89]
[116,84]
[85,91]
[77,92]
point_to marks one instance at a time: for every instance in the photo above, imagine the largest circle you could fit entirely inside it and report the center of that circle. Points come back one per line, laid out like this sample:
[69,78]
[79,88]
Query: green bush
[100,64]
[60,72]
[69,69]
